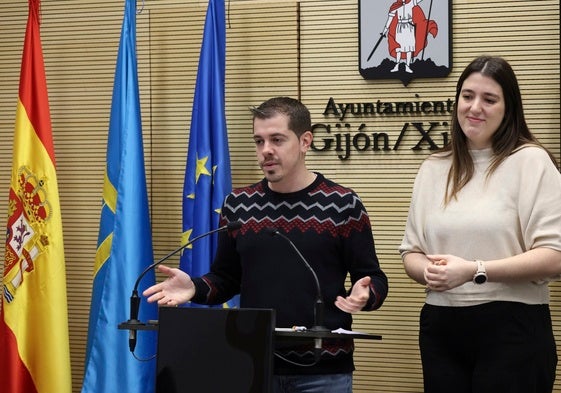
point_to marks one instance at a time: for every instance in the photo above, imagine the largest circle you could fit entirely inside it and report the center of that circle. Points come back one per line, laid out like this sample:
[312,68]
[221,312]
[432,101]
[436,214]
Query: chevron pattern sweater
[331,228]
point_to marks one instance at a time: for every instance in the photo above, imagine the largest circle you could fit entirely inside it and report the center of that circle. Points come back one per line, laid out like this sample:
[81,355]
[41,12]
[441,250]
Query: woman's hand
[445,272]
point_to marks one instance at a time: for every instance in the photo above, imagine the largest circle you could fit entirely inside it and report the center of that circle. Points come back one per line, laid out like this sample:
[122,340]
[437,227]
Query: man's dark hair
[299,119]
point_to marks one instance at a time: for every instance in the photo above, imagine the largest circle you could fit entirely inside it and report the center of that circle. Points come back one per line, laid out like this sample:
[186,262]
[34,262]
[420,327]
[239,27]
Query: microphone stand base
[135,324]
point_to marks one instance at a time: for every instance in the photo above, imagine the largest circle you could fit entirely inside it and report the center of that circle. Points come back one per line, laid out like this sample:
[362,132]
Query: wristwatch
[480,276]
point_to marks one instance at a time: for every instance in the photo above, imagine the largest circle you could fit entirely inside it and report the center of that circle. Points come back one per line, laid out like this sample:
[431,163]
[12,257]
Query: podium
[209,350]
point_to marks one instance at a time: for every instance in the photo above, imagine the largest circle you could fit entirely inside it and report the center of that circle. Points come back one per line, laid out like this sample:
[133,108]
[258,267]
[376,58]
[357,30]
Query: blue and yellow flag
[207,175]
[34,346]
[124,242]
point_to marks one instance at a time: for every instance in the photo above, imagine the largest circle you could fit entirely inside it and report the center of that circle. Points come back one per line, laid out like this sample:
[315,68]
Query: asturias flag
[124,241]
[207,175]
[34,347]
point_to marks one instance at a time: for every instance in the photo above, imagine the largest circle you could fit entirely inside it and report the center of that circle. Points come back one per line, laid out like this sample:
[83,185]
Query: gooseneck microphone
[319,305]
[135,299]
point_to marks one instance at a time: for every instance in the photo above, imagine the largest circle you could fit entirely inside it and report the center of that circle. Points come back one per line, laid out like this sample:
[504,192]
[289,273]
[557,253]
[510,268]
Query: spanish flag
[34,348]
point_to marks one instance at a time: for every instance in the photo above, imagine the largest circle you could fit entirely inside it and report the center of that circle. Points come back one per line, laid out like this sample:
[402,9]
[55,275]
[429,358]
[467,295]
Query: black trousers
[497,347]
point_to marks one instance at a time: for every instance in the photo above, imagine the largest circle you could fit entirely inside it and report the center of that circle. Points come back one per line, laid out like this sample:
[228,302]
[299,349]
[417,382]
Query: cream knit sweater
[517,209]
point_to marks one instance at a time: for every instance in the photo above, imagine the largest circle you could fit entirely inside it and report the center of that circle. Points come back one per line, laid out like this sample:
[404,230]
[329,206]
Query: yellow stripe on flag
[37,315]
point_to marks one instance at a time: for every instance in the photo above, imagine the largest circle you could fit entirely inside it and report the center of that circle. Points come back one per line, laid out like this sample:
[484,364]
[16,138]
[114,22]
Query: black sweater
[329,225]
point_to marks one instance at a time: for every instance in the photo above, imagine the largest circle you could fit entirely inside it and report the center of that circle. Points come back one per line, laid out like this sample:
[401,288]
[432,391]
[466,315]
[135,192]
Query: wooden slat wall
[307,49]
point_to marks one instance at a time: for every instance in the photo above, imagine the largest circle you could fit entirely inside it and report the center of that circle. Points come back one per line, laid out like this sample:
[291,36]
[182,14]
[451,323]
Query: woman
[483,236]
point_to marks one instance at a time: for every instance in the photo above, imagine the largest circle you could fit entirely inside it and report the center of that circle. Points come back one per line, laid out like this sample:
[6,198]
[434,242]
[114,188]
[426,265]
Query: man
[329,226]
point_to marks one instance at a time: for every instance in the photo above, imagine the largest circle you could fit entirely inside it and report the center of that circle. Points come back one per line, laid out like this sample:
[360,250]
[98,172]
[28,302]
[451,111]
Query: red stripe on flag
[33,82]
[14,376]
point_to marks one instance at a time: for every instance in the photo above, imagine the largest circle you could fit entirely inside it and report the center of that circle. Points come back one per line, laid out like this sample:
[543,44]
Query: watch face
[480,278]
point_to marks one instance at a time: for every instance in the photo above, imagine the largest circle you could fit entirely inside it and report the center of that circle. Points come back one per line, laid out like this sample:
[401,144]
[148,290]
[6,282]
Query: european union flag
[207,174]
[124,241]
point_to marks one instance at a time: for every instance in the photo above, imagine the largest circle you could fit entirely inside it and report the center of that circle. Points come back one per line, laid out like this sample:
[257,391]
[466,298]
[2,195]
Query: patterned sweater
[329,225]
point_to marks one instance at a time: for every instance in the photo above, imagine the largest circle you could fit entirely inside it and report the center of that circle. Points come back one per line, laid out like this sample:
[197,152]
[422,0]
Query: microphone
[319,305]
[135,299]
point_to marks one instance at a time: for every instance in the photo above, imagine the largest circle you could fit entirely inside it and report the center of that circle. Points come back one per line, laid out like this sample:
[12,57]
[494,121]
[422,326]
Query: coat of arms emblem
[405,39]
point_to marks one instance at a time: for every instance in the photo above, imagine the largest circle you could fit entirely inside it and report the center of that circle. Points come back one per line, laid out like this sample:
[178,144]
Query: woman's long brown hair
[512,133]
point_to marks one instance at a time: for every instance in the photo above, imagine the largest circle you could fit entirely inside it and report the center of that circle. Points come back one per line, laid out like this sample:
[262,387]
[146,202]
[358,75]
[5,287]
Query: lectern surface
[215,350]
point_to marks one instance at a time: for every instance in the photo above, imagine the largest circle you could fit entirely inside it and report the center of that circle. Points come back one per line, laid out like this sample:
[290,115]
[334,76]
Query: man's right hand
[177,288]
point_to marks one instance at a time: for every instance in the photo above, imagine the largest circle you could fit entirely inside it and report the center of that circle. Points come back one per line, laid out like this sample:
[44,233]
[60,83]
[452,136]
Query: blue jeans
[321,383]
